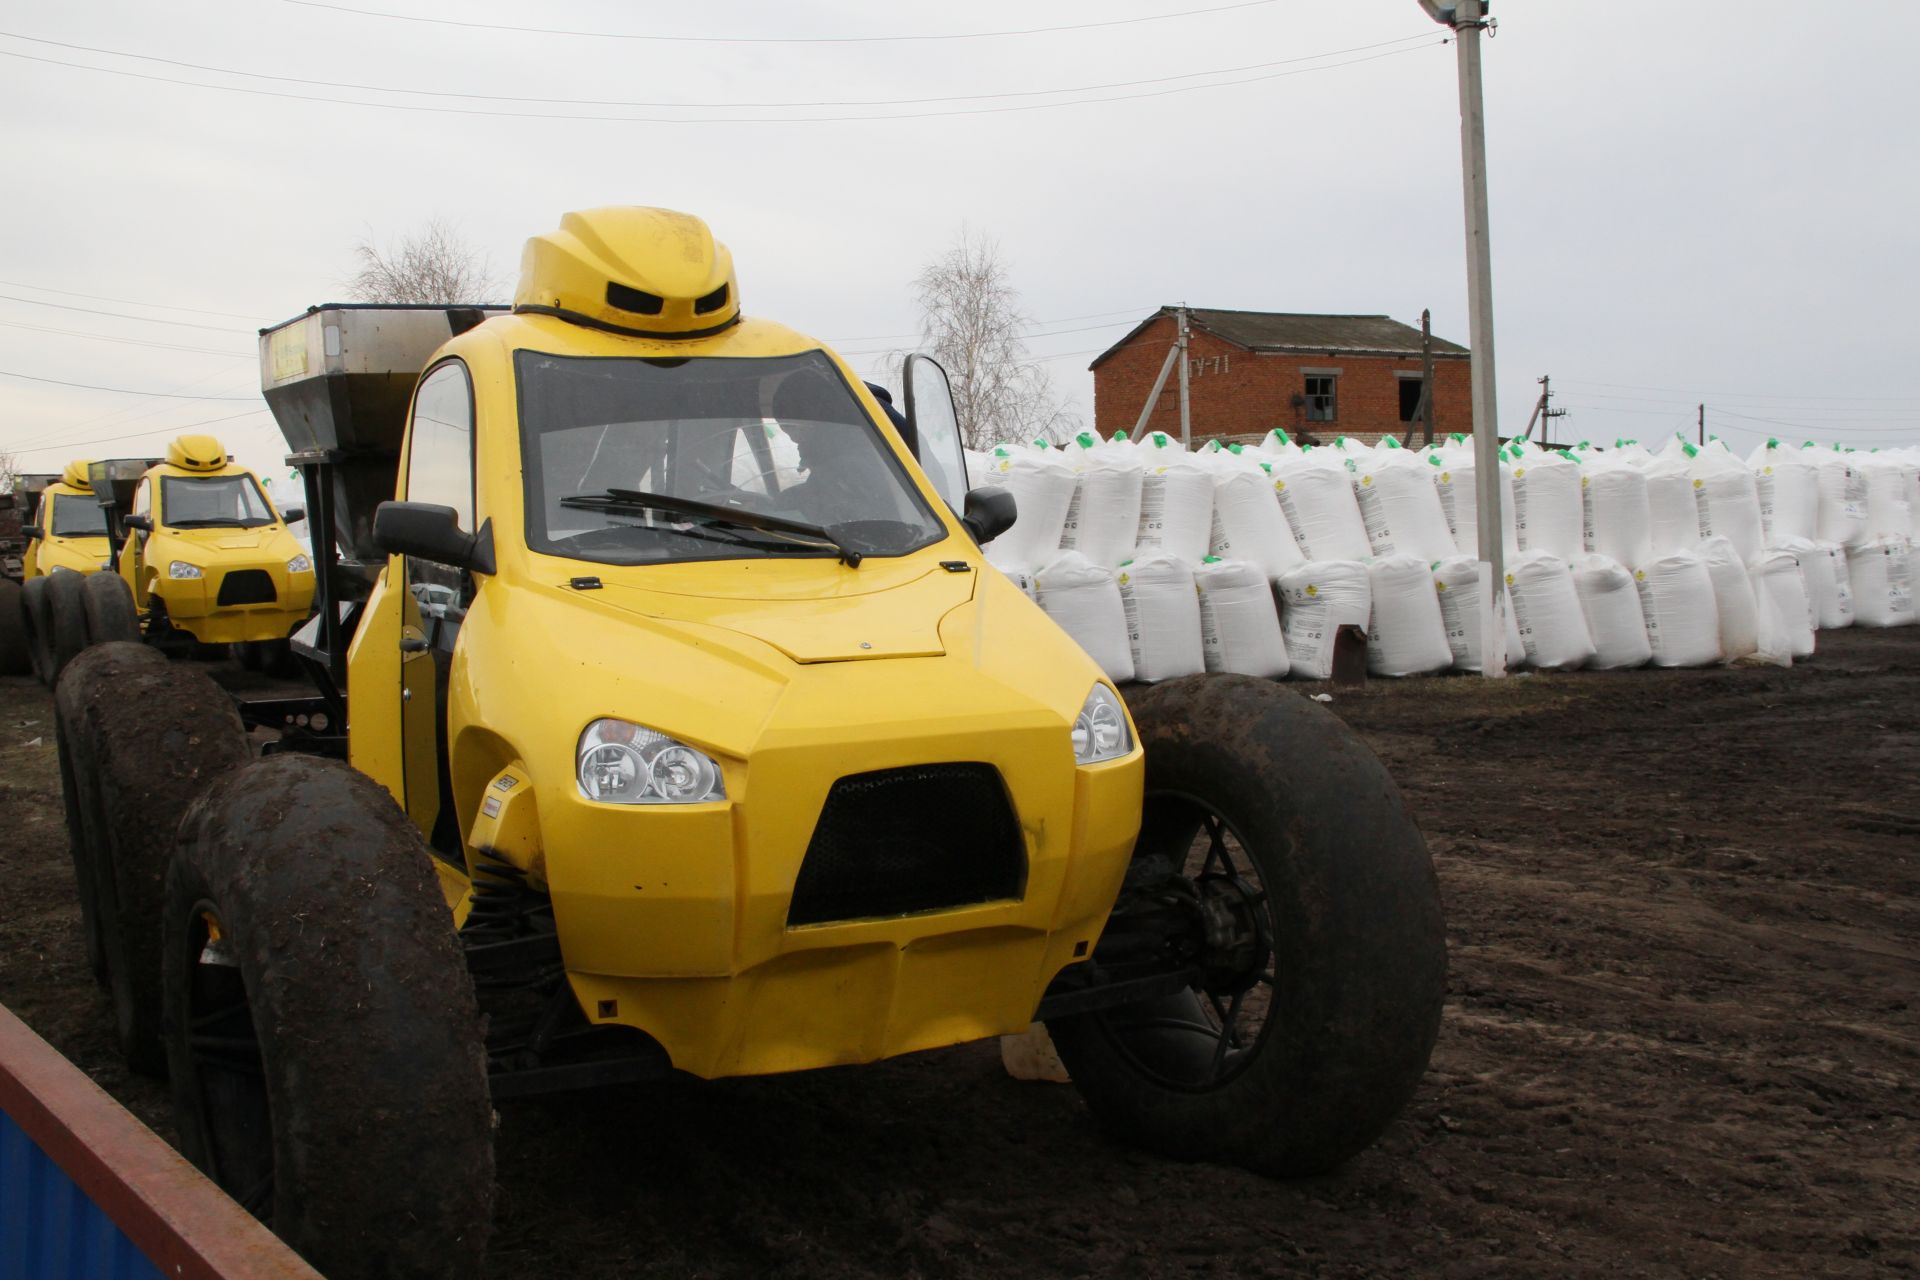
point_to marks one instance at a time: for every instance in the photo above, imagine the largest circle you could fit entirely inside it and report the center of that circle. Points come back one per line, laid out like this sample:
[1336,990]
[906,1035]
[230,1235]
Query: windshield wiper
[634,500]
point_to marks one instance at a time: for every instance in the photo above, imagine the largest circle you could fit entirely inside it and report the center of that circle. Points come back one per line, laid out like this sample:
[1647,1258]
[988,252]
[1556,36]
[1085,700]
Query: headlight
[181,569]
[1100,731]
[299,564]
[622,763]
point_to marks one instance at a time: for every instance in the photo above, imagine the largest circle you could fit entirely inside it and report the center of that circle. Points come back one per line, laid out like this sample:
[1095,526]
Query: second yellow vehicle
[206,553]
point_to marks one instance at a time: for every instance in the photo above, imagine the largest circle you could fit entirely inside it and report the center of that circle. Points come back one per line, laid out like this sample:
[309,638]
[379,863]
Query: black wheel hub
[1233,930]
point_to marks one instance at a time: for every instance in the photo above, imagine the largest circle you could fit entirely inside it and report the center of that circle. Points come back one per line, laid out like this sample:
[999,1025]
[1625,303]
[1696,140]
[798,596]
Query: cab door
[936,428]
[439,469]
[133,550]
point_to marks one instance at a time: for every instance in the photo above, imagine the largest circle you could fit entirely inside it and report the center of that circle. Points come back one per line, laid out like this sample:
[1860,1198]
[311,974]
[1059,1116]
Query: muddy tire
[39,623]
[146,737]
[324,1043]
[16,656]
[1320,1005]
[102,667]
[66,620]
[108,606]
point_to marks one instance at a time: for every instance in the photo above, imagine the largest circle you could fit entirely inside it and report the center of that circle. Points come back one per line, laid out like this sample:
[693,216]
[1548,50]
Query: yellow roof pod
[196,453]
[651,273]
[76,476]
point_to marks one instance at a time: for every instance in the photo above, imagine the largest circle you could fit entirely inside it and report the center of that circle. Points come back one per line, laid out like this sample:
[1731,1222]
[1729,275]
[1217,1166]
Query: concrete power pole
[1186,421]
[1468,19]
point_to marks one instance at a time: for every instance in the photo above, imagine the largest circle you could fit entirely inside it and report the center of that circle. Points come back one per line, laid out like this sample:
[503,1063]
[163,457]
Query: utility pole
[1426,375]
[1467,19]
[1703,426]
[1186,425]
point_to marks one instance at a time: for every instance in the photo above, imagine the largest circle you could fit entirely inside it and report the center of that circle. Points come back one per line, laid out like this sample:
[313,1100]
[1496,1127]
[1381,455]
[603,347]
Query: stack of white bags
[1163,562]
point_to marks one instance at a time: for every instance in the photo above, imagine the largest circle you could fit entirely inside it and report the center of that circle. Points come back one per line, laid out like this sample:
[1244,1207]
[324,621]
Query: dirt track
[1682,1039]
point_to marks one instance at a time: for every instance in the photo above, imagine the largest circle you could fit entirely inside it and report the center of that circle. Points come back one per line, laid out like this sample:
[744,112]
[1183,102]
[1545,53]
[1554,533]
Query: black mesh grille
[247,586]
[900,841]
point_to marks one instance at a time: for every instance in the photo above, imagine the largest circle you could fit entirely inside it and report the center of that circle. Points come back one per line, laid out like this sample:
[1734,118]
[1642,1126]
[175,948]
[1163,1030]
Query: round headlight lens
[612,771]
[181,569]
[300,564]
[625,763]
[681,774]
[1100,731]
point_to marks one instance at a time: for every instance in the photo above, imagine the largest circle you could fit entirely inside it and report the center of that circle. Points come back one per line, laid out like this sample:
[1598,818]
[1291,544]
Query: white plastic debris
[1084,599]
[1610,602]
[1316,600]
[1239,619]
[1163,616]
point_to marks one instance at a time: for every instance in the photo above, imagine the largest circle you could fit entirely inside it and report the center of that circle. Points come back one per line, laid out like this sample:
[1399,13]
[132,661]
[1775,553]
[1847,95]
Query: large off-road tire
[16,656]
[1326,961]
[100,667]
[148,736]
[108,604]
[34,612]
[325,1046]
[66,619]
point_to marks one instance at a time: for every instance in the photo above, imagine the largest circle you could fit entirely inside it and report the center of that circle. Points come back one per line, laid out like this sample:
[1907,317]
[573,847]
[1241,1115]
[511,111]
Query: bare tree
[971,321]
[433,265]
[9,469]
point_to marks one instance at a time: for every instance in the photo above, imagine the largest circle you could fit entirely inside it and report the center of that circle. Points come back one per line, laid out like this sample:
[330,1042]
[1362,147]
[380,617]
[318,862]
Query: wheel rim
[226,1076]
[1200,1039]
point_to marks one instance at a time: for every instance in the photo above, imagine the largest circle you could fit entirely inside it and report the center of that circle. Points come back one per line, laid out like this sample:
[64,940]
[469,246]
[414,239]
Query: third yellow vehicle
[68,530]
[668,718]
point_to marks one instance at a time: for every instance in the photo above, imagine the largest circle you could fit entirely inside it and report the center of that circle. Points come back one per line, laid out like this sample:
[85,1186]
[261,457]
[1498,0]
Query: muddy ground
[1682,1036]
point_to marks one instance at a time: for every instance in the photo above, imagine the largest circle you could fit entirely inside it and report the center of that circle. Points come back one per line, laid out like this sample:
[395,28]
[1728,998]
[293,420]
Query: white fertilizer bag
[1823,566]
[1673,515]
[1239,619]
[1610,601]
[1732,598]
[1456,581]
[1042,489]
[1019,578]
[1406,635]
[1843,497]
[1786,618]
[1400,505]
[1616,520]
[1454,480]
[1726,499]
[1277,444]
[979,468]
[1176,507]
[1888,513]
[1882,576]
[1104,518]
[1683,624]
[1552,628]
[1546,504]
[1163,617]
[1084,599]
[1316,600]
[1248,523]
[1788,484]
[1316,496]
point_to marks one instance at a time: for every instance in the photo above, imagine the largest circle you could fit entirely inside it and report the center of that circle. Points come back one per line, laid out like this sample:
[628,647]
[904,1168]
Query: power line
[628,35]
[132,342]
[131,302]
[715,106]
[94,311]
[1054,334]
[1096,315]
[135,435]
[125,391]
[1735,395]
[606,119]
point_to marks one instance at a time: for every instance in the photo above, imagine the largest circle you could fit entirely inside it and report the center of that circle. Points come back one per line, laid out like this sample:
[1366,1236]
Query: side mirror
[293,515]
[990,513]
[143,523]
[32,532]
[430,532]
[934,426]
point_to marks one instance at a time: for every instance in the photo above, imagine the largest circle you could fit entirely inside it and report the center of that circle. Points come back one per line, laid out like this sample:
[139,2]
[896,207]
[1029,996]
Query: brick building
[1250,371]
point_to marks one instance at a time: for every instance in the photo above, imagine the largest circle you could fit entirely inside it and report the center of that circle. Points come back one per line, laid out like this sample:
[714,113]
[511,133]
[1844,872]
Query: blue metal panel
[49,1230]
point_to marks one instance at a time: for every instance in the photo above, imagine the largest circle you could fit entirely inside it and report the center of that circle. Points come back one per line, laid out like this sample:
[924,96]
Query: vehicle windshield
[205,502]
[77,516]
[780,437]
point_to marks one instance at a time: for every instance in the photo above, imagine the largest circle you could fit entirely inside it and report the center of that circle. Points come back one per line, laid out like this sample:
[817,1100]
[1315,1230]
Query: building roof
[1305,334]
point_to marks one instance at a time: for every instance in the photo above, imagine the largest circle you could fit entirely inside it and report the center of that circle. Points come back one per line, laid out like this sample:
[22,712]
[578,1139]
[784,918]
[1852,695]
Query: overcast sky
[1704,200]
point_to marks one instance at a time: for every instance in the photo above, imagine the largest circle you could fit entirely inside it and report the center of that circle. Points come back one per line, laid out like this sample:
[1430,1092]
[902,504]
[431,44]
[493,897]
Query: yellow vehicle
[669,718]
[69,529]
[206,553]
